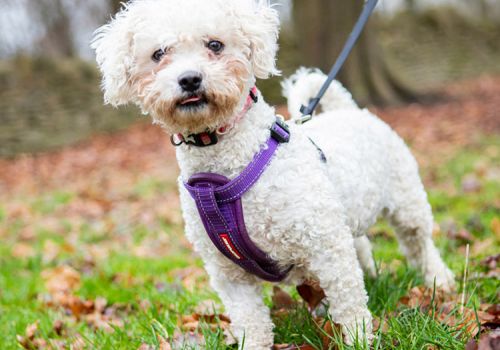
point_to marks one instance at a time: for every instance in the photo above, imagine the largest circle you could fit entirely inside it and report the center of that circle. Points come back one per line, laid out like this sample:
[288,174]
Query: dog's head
[187,63]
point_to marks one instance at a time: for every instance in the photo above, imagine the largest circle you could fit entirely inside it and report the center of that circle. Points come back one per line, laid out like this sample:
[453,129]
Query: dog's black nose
[190,81]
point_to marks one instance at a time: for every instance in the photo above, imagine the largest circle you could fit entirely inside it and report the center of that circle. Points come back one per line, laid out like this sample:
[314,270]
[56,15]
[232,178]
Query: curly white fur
[301,211]
[305,84]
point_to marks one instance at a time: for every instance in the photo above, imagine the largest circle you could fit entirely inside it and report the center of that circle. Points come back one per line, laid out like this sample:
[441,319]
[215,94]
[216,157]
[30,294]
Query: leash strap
[218,200]
[307,111]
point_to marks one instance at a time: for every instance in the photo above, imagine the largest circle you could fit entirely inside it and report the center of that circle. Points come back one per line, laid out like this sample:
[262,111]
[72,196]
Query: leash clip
[304,119]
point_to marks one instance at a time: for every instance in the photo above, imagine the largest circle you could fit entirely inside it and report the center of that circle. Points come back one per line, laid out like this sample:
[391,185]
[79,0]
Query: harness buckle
[280,131]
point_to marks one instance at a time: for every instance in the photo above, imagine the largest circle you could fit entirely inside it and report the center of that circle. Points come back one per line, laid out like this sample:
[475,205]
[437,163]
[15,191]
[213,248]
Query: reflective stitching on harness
[239,194]
[239,180]
[205,213]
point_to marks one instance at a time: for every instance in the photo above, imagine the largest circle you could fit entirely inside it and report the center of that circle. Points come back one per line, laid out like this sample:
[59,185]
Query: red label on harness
[230,246]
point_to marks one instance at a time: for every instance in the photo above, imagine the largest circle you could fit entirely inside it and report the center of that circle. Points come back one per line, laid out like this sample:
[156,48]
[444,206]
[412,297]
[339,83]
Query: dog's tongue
[191,99]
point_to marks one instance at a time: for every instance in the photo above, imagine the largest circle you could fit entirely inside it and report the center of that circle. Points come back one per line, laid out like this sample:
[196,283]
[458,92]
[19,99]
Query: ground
[92,253]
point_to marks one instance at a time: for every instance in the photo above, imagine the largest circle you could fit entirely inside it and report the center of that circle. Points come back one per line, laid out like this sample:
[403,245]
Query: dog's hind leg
[414,232]
[365,256]
[412,219]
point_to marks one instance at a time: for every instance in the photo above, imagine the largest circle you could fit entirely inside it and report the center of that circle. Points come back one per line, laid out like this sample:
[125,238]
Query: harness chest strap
[218,200]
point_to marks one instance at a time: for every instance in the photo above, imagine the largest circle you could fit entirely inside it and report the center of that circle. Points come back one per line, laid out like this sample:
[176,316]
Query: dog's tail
[305,84]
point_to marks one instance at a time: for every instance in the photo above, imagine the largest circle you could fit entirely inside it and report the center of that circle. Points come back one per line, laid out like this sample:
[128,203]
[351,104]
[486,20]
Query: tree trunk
[58,39]
[322,28]
[411,5]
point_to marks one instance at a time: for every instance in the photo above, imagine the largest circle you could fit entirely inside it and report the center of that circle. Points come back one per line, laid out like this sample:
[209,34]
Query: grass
[150,295]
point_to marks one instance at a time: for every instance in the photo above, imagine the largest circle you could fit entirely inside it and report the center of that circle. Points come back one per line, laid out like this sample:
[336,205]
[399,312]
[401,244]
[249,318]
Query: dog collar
[210,138]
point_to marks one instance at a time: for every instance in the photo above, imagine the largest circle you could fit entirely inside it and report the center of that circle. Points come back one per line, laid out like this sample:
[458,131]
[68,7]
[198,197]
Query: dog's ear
[113,47]
[262,30]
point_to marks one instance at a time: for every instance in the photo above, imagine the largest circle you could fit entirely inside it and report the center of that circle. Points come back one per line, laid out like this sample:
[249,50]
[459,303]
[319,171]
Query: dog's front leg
[242,297]
[333,261]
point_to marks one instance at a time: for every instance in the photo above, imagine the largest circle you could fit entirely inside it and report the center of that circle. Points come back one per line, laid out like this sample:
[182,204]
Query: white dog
[190,65]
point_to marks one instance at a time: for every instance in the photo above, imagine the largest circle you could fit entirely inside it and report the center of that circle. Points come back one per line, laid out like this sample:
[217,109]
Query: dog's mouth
[192,101]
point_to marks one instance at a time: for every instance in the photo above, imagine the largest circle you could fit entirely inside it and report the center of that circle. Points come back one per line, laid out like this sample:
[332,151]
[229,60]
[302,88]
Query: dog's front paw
[358,333]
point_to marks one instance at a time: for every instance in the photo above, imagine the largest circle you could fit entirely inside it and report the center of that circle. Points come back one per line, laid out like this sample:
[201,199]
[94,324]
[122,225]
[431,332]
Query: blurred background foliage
[49,85]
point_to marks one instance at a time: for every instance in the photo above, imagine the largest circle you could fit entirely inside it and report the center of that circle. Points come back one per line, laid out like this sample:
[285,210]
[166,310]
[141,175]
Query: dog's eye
[158,55]
[215,46]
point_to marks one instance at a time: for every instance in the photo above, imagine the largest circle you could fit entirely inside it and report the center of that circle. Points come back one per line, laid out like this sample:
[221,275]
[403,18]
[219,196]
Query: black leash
[307,111]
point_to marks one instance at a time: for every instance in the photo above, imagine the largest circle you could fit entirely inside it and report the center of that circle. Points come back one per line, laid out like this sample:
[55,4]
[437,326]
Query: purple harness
[218,200]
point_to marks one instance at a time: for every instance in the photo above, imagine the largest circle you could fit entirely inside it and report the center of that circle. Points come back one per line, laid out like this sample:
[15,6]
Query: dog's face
[187,63]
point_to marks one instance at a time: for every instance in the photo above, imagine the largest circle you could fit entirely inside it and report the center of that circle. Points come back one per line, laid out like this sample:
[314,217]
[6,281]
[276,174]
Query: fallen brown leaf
[447,307]
[190,277]
[292,347]
[422,297]
[103,322]
[471,345]
[436,230]
[78,343]
[29,341]
[63,279]
[495,227]
[51,251]
[471,184]
[206,313]
[329,331]
[489,317]
[58,327]
[191,326]
[145,305]
[32,330]
[490,341]
[479,247]
[282,300]
[378,323]
[491,262]
[23,251]
[207,307]
[462,236]
[193,339]
[72,304]
[311,293]
[61,282]
[188,319]
[466,320]
[494,310]
[163,344]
